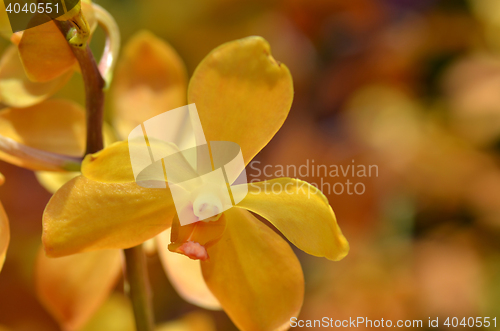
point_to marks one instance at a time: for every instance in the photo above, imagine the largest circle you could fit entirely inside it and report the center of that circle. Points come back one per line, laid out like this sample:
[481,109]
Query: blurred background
[411,86]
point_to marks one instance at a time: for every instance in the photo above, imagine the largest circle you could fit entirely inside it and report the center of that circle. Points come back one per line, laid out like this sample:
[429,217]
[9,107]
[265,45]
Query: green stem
[140,292]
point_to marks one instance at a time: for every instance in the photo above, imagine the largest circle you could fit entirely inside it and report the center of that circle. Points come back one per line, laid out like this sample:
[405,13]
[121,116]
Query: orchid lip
[193,250]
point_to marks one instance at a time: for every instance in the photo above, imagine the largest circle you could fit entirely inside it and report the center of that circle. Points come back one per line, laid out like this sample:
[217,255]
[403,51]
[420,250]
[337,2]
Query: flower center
[207,207]
[194,239]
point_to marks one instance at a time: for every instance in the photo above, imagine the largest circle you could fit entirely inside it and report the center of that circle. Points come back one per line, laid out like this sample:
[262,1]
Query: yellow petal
[16,90]
[56,126]
[111,165]
[4,235]
[72,288]
[301,212]
[185,275]
[114,315]
[254,274]
[150,79]
[242,94]
[45,53]
[86,215]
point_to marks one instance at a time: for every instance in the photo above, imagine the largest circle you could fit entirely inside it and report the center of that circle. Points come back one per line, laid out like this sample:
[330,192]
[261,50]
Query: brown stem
[140,292]
[94,94]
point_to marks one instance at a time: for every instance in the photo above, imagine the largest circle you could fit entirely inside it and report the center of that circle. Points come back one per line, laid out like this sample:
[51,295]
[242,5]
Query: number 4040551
[471,322]
[33,8]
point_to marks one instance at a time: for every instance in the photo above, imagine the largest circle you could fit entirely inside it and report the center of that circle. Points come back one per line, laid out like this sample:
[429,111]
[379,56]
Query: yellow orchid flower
[243,95]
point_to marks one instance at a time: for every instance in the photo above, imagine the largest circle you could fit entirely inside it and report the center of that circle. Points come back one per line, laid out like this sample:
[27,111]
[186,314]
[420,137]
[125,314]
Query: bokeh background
[412,86]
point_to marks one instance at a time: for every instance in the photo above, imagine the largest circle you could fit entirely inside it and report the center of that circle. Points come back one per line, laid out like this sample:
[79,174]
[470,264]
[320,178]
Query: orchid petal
[301,212]
[72,288]
[242,94]
[45,52]
[110,165]
[86,215]
[254,274]
[150,79]
[16,90]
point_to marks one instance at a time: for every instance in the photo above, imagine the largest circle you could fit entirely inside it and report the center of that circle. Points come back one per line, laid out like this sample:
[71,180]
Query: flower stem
[94,99]
[140,292]
[94,90]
